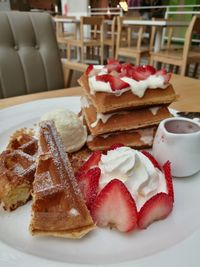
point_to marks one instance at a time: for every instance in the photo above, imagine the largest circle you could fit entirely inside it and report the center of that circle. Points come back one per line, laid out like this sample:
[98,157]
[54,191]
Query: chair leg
[82,54]
[113,51]
[88,52]
[196,65]
[69,52]
[176,69]
[183,70]
[138,60]
[151,61]
[102,54]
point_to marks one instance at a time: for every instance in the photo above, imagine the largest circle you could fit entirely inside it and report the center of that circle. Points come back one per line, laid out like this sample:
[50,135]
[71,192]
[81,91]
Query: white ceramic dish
[174,241]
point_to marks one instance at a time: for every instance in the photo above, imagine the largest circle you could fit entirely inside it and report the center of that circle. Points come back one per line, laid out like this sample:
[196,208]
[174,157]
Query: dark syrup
[181,127]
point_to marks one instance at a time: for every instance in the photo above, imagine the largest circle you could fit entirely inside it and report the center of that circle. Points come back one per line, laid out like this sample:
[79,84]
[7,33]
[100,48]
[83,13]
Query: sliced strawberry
[156,208]
[161,72]
[103,78]
[168,178]
[142,72]
[113,67]
[127,70]
[89,185]
[117,84]
[152,159]
[139,73]
[90,163]
[112,61]
[114,206]
[166,76]
[89,69]
[150,69]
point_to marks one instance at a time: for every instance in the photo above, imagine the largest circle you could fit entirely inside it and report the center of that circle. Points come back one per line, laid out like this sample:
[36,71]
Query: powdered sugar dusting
[50,137]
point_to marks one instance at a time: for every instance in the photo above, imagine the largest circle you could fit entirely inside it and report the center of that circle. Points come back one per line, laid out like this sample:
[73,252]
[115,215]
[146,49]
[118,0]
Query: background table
[187,89]
[160,25]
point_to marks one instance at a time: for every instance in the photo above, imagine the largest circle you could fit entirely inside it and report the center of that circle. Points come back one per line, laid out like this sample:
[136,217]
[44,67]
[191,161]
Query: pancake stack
[121,113]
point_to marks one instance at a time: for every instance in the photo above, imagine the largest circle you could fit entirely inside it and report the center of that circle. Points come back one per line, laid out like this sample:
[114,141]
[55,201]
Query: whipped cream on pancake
[137,87]
[135,170]
[154,110]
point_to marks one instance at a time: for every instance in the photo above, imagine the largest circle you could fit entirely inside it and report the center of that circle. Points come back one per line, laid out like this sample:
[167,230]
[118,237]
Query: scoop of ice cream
[71,129]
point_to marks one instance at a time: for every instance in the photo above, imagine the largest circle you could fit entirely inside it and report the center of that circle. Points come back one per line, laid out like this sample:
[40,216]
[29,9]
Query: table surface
[160,23]
[187,89]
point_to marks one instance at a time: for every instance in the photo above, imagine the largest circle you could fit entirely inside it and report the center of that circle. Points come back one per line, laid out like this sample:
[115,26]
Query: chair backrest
[170,31]
[194,26]
[111,28]
[60,31]
[138,29]
[29,56]
[96,23]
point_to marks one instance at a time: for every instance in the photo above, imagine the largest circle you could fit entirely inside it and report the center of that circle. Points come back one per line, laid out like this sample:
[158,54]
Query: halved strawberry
[166,76]
[115,82]
[92,161]
[89,69]
[156,208]
[168,178]
[89,185]
[152,159]
[114,206]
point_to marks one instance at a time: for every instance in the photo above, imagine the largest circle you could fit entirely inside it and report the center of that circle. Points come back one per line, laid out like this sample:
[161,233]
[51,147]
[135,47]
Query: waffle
[23,140]
[137,139]
[107,102]
[58,207]
[17,170]
[124,120]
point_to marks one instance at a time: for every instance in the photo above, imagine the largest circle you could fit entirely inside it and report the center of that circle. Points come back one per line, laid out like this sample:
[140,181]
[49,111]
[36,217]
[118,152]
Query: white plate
[174,241]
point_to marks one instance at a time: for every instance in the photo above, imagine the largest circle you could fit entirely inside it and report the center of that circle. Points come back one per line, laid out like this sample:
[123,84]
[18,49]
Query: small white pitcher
[178,140]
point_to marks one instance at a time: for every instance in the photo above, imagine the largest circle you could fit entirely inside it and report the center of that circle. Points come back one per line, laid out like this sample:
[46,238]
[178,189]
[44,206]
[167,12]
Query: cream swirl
[135,170]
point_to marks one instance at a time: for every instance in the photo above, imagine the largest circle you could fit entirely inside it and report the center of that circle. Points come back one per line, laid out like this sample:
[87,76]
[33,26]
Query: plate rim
[21,258]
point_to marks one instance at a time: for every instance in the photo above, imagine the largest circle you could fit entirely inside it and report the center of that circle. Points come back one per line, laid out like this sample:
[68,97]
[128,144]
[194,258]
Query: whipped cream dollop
[137,87]
[72,131]
[135,170]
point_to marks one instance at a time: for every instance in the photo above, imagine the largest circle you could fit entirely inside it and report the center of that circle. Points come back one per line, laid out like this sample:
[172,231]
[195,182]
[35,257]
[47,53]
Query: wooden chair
[109,39]
[136,51]
[68,69]
[86,39]
[180,57]
[60,30]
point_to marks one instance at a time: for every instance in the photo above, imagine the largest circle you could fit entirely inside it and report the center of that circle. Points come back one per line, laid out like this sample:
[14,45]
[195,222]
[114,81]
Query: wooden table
[188,90]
